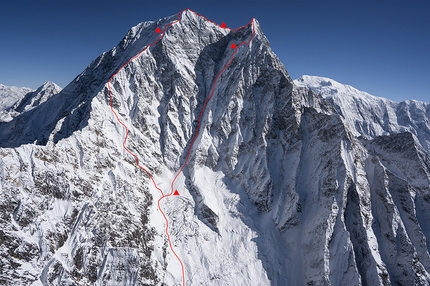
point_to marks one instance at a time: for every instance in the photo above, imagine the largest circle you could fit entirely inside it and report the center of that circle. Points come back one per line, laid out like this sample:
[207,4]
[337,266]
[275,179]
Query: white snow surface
[281,188]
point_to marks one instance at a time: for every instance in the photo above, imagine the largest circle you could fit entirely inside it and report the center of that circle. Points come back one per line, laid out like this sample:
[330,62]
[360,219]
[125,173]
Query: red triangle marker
[223,25]
[233,46]
[176,193]
[158,30]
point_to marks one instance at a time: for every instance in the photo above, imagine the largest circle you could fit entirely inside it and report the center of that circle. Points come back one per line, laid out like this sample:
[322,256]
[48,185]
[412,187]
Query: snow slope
[281,188]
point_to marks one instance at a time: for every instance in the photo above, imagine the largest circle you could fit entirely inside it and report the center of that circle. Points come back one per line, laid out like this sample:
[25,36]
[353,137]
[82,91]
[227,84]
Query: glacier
[304,182]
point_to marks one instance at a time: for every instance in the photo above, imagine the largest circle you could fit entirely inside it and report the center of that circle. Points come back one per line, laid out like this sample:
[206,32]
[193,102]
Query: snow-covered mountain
[15,100]
[280,187]
[38,97]
[371,116]
[9,96]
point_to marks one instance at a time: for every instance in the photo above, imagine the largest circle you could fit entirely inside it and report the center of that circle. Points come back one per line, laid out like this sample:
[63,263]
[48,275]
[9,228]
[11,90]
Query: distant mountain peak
[15,100]
[371,116]
[328,87]
[40,95]
[50,84]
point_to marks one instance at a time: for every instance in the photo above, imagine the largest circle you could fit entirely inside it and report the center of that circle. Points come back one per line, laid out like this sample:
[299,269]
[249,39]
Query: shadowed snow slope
[283,186]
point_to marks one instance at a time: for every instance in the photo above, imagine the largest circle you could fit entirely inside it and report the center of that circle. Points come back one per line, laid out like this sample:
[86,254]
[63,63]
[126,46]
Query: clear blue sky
[382,47]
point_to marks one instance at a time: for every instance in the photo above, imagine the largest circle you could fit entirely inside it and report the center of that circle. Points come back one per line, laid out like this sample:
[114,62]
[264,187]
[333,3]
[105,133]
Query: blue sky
[382,47]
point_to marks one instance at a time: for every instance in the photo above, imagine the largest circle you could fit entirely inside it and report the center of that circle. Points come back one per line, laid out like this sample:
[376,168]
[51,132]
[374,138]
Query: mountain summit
[186,155]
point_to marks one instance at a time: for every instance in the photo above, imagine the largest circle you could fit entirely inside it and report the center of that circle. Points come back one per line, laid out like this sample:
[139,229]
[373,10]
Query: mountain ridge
[279,189]
[370,116]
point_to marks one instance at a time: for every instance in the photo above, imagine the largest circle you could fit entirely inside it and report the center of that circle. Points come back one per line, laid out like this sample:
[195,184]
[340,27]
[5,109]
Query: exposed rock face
[283,186]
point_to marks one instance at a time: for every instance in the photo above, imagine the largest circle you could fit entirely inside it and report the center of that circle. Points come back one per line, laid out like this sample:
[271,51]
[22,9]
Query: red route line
[209,98]
[198,121]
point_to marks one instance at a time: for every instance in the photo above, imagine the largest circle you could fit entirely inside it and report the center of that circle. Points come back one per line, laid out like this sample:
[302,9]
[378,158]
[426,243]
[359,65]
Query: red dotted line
[161,32]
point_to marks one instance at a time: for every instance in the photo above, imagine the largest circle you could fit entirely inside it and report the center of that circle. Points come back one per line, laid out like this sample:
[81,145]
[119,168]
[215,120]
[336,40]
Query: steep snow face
[371,116]
[278,189]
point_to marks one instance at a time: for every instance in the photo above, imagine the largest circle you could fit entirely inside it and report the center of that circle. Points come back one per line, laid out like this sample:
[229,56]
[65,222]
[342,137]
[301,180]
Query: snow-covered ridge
[328,87]
[370,116]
